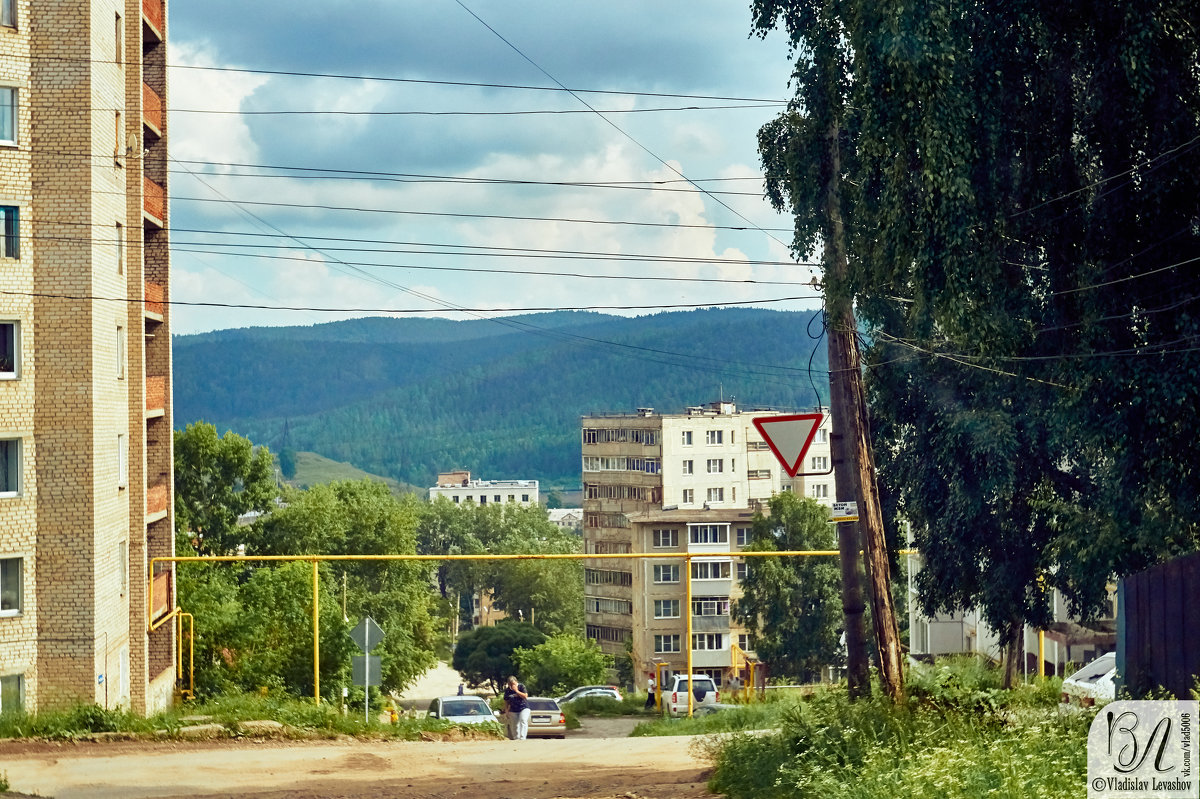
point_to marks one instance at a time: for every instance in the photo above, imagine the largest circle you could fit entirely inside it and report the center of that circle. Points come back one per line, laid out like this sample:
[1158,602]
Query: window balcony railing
[154,302]
[156,498]
[154,201]
[156,393]
[152,110]
[153,13]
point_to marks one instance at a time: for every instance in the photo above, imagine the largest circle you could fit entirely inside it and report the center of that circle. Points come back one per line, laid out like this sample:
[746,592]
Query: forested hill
[408,398]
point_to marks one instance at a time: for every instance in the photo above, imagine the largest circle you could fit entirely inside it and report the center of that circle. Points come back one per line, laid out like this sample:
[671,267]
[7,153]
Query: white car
[461,710]
[675,693]
[1094,684]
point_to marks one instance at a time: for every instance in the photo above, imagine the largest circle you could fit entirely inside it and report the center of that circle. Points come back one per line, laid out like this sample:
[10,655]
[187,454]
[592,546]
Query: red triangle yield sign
[789,437]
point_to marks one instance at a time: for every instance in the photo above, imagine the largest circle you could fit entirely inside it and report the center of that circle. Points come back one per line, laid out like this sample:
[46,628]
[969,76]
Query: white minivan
[675,697]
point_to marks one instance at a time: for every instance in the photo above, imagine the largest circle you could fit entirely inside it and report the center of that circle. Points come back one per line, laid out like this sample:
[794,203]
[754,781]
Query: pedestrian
[650,688]
[460,689]
[516,710]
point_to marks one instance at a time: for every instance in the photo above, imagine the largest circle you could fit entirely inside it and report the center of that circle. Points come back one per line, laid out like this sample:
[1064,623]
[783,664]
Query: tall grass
[959,737]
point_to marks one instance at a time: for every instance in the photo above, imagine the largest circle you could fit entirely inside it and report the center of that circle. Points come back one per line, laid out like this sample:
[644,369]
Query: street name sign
[789,437]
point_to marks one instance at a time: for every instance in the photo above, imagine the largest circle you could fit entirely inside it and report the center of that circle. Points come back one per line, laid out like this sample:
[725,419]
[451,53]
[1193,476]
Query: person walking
[650,688]
[516,710]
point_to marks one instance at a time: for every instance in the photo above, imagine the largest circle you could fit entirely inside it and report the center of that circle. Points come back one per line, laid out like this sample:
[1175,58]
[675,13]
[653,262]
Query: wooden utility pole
[854,462]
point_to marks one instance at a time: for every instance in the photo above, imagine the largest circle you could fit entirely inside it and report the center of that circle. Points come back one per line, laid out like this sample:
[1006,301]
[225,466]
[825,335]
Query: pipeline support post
[316,635]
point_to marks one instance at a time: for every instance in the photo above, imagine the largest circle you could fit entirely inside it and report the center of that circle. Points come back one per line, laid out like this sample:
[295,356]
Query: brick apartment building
[673,484]
[85,359]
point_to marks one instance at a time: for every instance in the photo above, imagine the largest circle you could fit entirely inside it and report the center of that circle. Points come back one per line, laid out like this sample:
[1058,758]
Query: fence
[1158,617]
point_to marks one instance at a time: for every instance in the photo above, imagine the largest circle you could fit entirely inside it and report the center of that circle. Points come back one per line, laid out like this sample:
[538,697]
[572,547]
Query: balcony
[157,496]
[711,658]
[161,594]
[153,306]
[710,624]
[154,202]
[154,19]
[152,110]
[156,395]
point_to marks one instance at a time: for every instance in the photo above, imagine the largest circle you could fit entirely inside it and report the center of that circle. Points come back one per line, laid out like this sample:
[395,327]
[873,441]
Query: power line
[522,113]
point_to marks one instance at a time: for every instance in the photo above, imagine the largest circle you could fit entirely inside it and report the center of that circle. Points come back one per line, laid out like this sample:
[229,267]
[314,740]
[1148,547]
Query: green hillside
[313,469]
[407,398]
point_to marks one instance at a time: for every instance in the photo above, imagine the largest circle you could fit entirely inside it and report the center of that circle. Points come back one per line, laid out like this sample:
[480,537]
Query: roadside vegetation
[235,716]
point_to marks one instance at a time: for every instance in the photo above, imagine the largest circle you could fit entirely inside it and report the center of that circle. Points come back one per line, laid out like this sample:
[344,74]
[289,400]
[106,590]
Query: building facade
[681,483]
[85,360]
[458,487]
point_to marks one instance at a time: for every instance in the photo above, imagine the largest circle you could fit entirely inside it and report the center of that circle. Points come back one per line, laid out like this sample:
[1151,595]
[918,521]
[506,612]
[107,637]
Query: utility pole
[854,463]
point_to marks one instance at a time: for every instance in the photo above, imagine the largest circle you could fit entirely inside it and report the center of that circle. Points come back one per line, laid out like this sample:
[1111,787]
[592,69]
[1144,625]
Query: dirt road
[580,767]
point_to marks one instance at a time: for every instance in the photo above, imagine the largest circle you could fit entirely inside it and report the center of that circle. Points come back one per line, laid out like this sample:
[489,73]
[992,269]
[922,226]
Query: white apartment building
[683,482]
[458,487]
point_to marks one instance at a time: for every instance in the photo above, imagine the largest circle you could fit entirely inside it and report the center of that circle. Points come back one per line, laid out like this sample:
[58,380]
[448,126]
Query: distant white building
[567,518]
[459,487]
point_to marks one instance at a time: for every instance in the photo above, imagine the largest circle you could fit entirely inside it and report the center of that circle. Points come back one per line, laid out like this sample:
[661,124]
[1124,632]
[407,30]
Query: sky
[420,184]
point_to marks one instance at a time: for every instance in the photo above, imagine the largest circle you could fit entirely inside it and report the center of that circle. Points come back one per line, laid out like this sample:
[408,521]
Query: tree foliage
[560,663]
[217,479]
[484,656]
[791,606]
[1023,182]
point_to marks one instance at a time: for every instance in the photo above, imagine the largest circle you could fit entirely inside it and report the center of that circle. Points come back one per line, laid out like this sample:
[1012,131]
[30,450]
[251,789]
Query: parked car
[1094,684]
[461,710]
[704,692]
[606,691]
[546,719]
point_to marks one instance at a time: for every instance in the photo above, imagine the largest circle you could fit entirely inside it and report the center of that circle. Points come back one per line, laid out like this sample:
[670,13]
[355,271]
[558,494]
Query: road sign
[789,437]
[367,634]
[845,512]
[365,669]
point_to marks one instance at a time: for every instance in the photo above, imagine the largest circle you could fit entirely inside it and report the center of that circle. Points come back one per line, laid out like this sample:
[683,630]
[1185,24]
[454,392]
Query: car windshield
[465,708]
[542,704]
[1095,670]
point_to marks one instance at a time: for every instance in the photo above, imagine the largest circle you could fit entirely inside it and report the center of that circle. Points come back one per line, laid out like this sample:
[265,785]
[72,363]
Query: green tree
[217,479]
[485,655]
[287,463]
[560,663]
[790,606]
[547,593]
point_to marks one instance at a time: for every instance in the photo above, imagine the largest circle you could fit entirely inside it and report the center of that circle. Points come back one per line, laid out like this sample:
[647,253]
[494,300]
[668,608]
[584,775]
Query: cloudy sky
[425,179]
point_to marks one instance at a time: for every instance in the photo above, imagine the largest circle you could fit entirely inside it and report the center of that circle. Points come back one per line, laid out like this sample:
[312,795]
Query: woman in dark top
[516,709]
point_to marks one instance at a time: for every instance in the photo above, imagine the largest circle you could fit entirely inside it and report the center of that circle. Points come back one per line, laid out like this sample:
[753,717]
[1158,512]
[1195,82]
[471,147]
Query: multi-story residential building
[683,482]
[85,360]
[459,487]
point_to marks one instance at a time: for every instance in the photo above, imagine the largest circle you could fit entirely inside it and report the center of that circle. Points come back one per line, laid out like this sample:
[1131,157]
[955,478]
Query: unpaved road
[580,767]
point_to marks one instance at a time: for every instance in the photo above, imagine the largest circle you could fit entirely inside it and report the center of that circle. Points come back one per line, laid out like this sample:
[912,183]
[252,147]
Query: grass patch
[757,716]
[959,737]
[299,719]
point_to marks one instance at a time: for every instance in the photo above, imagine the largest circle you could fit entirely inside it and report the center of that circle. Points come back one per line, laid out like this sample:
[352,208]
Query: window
[496,498]
[687,438]
[117,136]
[740,570]
[595,604]
[120,353]
[689,496]
[524,497]
[10,467]
[822,437]
[820,490]
[666,643]
[123,566]
[512,497]
[665,538]
[456,498]
[122,460]
[708,641]
[689,467]
[759,474]
[716,495]
[120,240]
[819,462]
[709,534]
[710,570]
[712,436]
[716,465]
[12,693]
[482,499]
[743,642]
[10,247]
[743,536]
[666,572]
[119,41]
[666,608]
[8,13]
[10,350]
[710,606]
[8,115]
[10,586]
[602,577]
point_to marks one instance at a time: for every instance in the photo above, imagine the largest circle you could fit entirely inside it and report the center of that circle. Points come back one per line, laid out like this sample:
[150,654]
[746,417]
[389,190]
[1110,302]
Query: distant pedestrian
[516,710]
[460,689]
[650,688]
